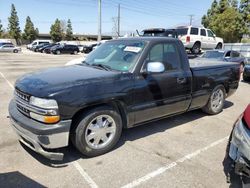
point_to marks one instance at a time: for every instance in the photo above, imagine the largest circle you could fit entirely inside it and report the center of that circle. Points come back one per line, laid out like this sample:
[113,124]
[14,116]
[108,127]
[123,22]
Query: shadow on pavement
[16,179]
[71,154]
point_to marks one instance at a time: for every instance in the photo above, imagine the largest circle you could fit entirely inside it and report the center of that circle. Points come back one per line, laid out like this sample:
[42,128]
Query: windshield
[118,55]
[213,54]
[154,33]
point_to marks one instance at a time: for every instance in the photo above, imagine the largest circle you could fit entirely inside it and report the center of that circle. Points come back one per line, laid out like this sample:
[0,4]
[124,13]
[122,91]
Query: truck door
[204,39]
[162,94]
[211,39]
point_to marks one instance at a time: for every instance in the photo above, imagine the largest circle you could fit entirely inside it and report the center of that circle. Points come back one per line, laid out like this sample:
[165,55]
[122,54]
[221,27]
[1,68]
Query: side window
[235,54]
[203,32]
[167,53]
[194,31]
[228,54]
[210,33]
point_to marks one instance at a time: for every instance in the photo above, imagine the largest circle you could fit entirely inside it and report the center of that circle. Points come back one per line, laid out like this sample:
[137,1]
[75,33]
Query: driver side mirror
[214,35]
[155,67]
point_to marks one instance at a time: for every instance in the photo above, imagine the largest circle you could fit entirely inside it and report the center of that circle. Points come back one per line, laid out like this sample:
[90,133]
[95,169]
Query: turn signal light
[247,116]
[51,119]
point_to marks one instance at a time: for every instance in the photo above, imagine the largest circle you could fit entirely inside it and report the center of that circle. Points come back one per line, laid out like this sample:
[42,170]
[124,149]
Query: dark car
[88,48]
[227,55]
[246,72]
[47,50]
[36,48]
[160,32]
[41,49]
[121,84]
[237,158]
[65,49]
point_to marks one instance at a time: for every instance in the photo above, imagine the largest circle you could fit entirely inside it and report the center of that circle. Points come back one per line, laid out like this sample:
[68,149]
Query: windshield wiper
[105,67]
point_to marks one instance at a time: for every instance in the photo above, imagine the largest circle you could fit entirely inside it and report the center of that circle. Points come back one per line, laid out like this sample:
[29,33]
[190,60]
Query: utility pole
[119,20]
[191,19]
[99,20]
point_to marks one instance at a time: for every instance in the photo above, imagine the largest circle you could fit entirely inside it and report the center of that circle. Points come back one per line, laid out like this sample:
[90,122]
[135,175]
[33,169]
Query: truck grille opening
[20,96]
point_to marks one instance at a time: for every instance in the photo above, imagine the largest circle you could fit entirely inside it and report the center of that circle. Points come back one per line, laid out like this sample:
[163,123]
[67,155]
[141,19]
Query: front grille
[22,95]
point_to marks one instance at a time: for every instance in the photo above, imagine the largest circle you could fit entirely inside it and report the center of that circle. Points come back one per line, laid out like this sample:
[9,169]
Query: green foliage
[228,19]
[227,25]
[56,32]
[30,33]
[69,31]
[14,29]
[1,29]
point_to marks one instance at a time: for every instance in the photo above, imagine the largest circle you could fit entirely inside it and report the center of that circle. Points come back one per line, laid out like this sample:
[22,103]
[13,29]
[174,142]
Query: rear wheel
[75,52]
[241,67]
[58,52]
[15,51]
[219,46]
[196,48]
[216,101]
[97,131]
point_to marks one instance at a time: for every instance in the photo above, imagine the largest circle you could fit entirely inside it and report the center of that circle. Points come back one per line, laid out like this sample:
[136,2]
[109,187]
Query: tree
[56,32]
[1,29]
[226,25]
[234,3]
[69,31]
[244,10]
[214,10]
[13,27]
[30,32]
[223,5]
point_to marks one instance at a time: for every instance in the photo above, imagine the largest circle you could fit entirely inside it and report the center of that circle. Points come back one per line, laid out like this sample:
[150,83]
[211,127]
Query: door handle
[181,80]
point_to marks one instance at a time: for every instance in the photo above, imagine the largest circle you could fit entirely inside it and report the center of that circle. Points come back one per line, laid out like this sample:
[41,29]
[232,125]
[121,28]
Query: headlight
[43,103]
[46,111]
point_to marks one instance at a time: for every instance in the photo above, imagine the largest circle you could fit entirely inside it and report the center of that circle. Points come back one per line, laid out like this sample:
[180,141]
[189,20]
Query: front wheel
[97,131]
[219,46]
[15,51]
[216,101]
[58,52]
[75,52]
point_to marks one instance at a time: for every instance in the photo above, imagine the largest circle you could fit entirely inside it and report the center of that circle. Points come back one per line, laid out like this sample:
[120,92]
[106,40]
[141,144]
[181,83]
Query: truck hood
[46,82]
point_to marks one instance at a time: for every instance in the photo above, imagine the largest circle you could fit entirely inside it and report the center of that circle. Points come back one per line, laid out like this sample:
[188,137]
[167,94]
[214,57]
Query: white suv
[195,38]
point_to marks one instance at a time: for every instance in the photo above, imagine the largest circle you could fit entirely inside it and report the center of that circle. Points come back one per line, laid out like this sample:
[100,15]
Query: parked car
[160,32]
[197,38]
[65,49]
[47,50]
[36,43]
[36,48]
[246,72]
[226,55]
[41,49]
[9,48]
[237,158]
[121,84]
[88,48]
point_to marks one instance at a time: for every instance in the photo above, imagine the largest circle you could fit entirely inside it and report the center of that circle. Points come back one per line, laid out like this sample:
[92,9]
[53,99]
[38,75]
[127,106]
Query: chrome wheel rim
[217,99]
[100,132]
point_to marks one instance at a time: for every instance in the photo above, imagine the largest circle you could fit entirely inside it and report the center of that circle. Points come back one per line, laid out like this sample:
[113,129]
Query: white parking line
[171,165]
[78,167]
[8,82]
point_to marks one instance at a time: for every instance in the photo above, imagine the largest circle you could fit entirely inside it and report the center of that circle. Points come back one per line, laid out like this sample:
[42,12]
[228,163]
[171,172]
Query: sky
[135,14]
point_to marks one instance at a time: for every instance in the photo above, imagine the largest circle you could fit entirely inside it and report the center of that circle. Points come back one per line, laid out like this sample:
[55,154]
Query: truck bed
[197,64]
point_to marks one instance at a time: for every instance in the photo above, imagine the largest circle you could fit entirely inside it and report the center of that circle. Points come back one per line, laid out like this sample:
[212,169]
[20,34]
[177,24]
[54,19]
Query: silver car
[9,48]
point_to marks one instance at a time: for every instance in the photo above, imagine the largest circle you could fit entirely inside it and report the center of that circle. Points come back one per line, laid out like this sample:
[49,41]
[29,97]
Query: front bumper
[38,136]
[239,150]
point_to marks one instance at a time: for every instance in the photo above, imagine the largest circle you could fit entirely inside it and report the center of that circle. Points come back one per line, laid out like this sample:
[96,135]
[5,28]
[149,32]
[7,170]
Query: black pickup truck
[121,84]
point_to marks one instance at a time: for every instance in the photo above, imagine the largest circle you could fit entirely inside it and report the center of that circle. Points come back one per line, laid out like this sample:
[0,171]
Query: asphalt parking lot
[182,151]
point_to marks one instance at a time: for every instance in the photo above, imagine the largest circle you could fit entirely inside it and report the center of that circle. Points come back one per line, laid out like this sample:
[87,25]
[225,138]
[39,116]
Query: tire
[246,78]
[87,124]
[215,106]
[75,52]
[15,51]
[58,52]
[219,46]
[196,48]
[241,67]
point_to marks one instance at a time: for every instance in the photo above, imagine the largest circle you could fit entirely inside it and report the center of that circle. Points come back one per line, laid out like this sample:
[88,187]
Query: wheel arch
[117,105]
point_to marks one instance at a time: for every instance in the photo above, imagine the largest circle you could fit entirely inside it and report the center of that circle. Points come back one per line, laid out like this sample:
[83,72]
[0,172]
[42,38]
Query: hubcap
[217,99]
[100,131]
